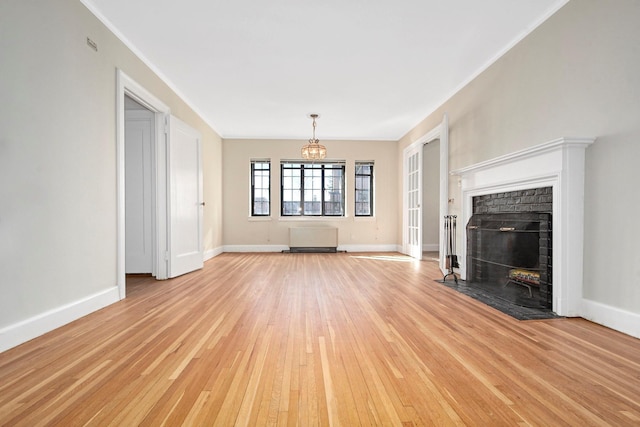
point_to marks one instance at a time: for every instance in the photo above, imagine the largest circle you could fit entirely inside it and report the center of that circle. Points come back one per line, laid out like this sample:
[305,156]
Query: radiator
[313,239]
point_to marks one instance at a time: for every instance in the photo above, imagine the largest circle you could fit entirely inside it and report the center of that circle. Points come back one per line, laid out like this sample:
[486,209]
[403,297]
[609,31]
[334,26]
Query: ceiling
[372,69]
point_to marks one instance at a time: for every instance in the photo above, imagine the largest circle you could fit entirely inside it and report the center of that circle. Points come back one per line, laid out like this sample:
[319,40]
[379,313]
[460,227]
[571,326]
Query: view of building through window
[364,189]
[260,187]
[312,189]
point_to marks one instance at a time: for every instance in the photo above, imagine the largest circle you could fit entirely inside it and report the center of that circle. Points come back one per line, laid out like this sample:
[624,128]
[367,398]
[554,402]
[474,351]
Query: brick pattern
[535,200]
[545,253]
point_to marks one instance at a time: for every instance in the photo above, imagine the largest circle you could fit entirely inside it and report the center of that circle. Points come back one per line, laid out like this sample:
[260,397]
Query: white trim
[259,218]
[559,164]
[25,330]
[255,248]
[313,218]
[368,248]
[524,154]
[125,85]
[612,317]
[280,248]
[212,253]
[364,218]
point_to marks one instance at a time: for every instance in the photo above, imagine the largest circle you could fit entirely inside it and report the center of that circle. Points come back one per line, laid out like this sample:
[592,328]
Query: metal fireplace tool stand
[451,259]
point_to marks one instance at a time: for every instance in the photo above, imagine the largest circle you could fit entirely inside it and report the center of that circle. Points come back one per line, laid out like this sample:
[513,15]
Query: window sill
[312,218]
[364,218]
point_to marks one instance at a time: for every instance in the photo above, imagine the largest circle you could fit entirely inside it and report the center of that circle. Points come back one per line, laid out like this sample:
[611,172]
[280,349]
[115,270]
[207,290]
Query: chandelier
[314,150]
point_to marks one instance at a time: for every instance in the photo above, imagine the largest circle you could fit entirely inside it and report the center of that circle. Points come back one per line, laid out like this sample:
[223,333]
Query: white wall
[243,233]
[58,165]
[578,74]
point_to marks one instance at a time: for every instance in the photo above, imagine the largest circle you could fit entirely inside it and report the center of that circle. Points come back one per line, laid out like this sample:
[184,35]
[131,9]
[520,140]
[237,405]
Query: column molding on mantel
[559,164]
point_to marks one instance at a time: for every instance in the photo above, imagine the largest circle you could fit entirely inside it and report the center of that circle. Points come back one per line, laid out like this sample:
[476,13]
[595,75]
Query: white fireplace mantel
[558,164]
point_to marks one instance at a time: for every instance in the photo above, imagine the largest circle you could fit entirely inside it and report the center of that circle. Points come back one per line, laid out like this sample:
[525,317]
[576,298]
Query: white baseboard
[368,248]
[211,253]
[280,248]
[611,317]
[255,248]
[21,332]
[430,247]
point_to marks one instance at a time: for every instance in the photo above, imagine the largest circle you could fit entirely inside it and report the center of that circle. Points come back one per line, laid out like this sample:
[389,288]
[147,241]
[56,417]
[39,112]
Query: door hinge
[166,256]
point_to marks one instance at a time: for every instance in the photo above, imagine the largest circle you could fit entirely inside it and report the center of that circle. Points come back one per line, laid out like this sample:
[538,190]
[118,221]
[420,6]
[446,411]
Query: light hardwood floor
[310,339]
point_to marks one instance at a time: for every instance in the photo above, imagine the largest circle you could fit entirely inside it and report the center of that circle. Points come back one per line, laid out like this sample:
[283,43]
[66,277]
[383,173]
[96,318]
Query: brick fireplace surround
[558,164]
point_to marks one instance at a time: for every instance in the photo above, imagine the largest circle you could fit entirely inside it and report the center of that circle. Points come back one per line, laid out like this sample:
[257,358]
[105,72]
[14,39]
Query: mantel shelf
[522,154]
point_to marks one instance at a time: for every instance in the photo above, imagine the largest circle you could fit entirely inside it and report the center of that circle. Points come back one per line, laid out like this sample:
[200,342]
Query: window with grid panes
[312,189]
[260,187]
[364,189]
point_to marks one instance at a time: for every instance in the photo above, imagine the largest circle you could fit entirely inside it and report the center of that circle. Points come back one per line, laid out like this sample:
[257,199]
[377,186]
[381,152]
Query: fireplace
[509,255]
[509,246]
[558,164]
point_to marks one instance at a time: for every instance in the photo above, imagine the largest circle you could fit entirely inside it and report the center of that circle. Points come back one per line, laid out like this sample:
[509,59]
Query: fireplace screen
[511,253]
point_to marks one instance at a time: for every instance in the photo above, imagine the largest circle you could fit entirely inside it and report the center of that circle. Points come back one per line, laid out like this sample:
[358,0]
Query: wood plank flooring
[317,339]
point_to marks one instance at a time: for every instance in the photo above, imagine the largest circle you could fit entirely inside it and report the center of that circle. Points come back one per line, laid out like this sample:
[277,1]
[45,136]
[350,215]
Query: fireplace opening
[509,247]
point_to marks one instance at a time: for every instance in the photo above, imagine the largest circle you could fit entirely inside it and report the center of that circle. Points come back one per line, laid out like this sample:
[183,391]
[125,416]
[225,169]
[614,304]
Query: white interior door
[413,202]
[139,134]
[185,198]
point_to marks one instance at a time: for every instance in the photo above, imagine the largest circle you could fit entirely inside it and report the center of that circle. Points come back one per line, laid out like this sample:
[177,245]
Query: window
[364,189]
[312,189]
[260,187]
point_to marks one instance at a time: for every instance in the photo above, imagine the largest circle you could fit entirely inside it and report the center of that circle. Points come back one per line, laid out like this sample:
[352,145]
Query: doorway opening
[130,93]
[413,201]
[175,184]
[431,200]
[139,197]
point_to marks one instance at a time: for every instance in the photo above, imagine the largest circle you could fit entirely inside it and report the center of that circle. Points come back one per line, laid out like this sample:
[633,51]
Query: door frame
[440,132]
[129,87]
